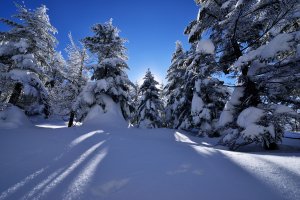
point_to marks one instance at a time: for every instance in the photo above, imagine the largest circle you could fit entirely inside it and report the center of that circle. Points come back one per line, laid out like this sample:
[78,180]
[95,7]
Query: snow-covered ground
[50,161]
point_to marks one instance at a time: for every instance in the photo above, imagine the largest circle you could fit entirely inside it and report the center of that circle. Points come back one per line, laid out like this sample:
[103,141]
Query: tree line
[255,41]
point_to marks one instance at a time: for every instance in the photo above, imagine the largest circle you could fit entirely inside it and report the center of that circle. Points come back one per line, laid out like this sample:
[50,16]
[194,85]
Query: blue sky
[152,27]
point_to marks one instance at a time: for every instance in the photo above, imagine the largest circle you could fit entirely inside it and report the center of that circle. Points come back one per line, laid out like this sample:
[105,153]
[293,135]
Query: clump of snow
[12,117]
[102,85]
[113,62]
[198,85]
[109,116]
[252,131]
[250,116]
[197,104]
[281,109]
[281,43]
[236,95]
[206,46]
[205,114]
[225,118]
[225,4]
[239,3]
[230,134]
[87,95]
[22,45]
[227,114]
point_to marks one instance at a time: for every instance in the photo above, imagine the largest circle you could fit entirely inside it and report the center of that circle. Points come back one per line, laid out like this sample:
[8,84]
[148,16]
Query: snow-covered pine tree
[272,67]
[206,94]
[237,28]
[162,97]
[109,74]
[76,78]
[135,97]
[174,88]
[55,85]
[26,52]
[151,106]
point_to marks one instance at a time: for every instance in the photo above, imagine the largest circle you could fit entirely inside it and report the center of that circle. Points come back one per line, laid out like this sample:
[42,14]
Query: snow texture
[228,112]
[12,117]
[205,46]
[225,118]
[250,116]
[103,116]
[281,109]
[281,43]
[197,104]
[128,163]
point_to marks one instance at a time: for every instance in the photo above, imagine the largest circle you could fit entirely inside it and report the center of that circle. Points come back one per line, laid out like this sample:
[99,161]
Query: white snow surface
[101,161]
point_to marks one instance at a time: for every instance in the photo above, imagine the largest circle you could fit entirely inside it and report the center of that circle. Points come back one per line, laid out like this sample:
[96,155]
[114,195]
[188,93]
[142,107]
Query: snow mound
[108,116]
[12,117]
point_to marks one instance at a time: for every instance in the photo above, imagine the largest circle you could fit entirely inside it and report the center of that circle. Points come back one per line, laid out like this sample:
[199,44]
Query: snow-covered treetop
[77,57]
[149,81]
[237,26]
[106,42]
[179,51]
[35,31]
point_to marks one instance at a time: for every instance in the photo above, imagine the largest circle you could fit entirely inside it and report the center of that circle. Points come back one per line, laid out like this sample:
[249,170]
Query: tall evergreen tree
[174,88]
[135,96]
[26,54]
[240,30]
[76,79]
[205,94]
[151,106]
[109,75]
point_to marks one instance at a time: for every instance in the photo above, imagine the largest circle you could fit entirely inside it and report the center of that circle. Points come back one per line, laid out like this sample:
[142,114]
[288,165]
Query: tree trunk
[236,49]
[71,120]
[15,94]
[46,111]
[271,146]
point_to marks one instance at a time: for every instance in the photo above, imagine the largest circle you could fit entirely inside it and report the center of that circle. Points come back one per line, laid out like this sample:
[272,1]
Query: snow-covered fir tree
[76,76]
[174,91]
[69,80]
[26,54]
[109,74]
[258,39]
[135,97]
[151,106]
[205,94]
[162,97]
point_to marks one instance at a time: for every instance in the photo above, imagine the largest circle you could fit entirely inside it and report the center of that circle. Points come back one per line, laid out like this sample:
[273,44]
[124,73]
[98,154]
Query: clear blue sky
[152,27]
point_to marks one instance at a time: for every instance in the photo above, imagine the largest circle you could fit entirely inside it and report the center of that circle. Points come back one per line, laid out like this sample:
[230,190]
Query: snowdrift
[13,117]
[110,116]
